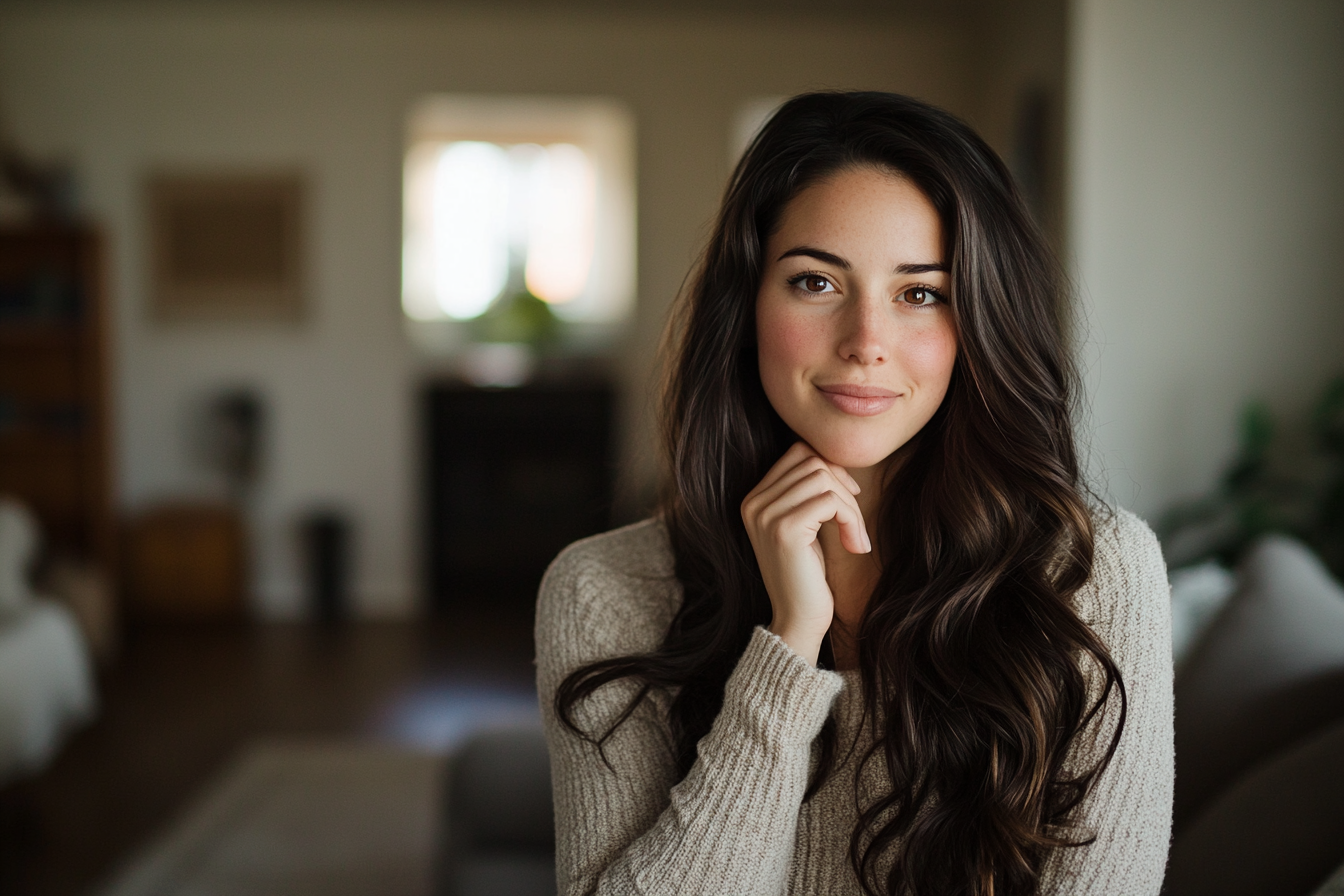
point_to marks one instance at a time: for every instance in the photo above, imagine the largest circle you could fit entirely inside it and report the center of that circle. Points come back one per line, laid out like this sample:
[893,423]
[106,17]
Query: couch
[1260,734]
[1259,754]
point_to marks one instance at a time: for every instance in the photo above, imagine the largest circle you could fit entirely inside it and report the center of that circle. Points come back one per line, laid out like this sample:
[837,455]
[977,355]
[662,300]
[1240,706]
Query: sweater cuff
[784,696]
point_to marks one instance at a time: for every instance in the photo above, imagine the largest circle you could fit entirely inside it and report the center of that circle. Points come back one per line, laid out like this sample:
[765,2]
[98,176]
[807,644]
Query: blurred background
[324,325]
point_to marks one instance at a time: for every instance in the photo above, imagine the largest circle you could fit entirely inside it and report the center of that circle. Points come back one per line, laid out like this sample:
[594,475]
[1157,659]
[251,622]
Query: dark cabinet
[514,475]
[53,387]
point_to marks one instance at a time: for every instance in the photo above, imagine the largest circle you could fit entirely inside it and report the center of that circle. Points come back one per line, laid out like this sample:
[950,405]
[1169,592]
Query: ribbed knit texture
[736,824]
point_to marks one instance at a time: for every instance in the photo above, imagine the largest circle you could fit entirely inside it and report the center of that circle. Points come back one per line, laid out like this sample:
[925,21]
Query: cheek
[930,354]
[784,343]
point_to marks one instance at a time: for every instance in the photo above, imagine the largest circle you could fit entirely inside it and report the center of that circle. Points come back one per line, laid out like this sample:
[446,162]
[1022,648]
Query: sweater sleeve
[625,825]
[1128,604]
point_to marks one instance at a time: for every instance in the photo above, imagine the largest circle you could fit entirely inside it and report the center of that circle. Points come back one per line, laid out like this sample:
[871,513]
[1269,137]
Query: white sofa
[46,679]
[46,686]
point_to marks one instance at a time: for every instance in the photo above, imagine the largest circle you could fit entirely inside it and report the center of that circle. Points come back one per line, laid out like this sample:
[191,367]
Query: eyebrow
[832,258]
[819,255]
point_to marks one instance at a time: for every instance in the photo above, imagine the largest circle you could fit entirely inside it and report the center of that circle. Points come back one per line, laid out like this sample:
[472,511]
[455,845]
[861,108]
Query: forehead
[869,209]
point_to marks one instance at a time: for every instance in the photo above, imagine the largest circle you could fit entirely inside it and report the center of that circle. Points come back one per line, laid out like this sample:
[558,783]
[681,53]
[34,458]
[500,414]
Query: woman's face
[855,342]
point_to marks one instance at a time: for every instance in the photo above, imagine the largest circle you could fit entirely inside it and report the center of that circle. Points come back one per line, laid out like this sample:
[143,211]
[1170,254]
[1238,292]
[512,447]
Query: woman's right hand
[784,514]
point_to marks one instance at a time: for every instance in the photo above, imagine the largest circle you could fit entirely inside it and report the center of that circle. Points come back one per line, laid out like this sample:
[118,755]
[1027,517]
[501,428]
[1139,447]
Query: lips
[860,401]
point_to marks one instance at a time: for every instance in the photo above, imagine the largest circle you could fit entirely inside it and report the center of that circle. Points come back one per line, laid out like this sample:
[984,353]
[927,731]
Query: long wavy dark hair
[977,672]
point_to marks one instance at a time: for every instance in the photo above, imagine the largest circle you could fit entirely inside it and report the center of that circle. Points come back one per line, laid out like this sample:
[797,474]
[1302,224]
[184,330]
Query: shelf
[63,334]
[53,386]
[28,440]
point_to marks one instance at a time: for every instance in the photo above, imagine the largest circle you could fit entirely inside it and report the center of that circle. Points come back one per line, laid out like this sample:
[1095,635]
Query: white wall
[1207,218]
[120,88]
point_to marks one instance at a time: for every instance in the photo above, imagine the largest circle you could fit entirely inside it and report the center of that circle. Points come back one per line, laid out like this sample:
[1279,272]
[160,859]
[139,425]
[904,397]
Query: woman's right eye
[813,283]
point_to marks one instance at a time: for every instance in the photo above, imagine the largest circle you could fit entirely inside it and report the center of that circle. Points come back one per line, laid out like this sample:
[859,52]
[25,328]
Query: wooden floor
[181,702]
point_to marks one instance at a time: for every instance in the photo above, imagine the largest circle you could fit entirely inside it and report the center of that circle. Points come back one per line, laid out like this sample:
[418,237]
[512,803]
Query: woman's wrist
[802,640]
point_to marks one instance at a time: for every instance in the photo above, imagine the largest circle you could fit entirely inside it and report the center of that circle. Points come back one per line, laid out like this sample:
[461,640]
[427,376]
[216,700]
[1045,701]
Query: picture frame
[226,246]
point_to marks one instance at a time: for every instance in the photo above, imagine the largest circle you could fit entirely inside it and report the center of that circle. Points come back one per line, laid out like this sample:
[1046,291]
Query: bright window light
[561,205]
[502,196]
[469,227]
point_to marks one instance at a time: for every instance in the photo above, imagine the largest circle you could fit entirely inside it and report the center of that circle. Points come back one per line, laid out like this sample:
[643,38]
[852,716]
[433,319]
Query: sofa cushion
[500,834]
[1269,671]
[1198,595]
[499,792]
[1278,831]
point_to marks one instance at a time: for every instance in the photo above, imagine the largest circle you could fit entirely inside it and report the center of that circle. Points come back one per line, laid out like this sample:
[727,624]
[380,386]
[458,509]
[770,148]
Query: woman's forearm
[728,826]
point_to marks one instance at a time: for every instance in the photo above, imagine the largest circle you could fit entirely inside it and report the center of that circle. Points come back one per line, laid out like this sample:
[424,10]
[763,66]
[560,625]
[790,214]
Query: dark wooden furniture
[514,475]
[186,562]
[54,422]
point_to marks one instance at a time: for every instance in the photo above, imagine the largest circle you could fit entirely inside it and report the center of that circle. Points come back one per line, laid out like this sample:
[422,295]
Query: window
[505,195]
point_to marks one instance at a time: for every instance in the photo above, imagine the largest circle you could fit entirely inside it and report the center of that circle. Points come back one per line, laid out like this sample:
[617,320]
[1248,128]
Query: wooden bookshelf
[54,422]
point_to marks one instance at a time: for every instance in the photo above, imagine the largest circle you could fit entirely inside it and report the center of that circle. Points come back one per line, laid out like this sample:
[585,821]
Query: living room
[1183,159]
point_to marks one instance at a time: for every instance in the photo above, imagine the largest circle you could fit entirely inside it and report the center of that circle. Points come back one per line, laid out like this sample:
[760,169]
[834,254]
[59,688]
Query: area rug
[301,819]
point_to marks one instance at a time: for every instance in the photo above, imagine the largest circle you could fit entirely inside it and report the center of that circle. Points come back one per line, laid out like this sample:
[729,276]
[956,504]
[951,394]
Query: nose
[863,336]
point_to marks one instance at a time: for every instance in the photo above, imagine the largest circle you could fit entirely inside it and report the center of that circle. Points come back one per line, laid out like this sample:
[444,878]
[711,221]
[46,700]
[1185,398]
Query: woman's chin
[853,456]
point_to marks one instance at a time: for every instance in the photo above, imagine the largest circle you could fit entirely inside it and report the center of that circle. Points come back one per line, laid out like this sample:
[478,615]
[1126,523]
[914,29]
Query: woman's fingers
[810,466]
[801,456]
[853,533]
[810,475]
[761,509]
[789,494]
[843,475]
[799,507]
[784,515]
[806,466]
[803,520]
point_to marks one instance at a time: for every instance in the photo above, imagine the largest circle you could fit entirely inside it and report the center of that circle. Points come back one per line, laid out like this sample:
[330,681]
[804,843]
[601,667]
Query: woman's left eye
[920,296]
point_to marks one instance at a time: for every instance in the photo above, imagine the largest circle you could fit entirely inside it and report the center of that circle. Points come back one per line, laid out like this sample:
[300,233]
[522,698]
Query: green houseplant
[1255,495]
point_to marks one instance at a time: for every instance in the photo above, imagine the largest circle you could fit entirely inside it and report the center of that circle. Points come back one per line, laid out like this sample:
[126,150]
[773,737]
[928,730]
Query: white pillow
[1198,595]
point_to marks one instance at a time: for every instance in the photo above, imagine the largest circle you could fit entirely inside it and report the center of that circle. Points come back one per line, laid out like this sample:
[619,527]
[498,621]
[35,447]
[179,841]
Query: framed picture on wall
[225,247]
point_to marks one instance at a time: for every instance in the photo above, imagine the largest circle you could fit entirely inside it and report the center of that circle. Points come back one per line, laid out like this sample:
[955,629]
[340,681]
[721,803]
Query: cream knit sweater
[737,825]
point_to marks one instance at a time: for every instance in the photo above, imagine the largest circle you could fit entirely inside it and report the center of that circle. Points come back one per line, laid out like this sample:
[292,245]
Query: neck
[871,481]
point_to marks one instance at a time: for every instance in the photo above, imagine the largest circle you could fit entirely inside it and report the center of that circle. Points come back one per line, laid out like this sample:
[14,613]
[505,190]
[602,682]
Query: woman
[876,641]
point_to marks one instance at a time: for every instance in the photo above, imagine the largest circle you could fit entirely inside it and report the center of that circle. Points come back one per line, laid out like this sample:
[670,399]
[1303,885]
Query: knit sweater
[737,825]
